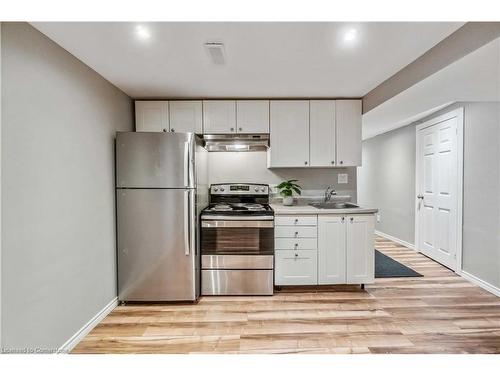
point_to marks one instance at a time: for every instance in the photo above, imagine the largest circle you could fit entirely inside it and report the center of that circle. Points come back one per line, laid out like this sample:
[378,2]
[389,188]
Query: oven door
[237,237]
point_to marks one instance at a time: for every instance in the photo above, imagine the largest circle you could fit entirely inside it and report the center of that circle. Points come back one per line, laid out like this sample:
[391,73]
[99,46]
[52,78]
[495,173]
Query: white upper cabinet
[151,116]
[289,133]
[219,116]
[348,124]
[252,116]
[322,133]
[186,116]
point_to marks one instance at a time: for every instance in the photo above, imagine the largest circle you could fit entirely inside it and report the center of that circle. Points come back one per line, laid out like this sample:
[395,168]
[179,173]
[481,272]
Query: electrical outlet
[343,178]
[378,218]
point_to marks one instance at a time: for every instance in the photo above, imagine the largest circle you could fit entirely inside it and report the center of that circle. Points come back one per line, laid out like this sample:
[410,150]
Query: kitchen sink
[333,205]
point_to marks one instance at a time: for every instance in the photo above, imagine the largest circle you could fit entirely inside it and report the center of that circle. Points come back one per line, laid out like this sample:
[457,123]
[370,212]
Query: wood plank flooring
[438,313]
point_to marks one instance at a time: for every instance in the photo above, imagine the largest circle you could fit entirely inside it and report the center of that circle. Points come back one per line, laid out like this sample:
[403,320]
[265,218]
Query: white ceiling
[263,59]
[475,77]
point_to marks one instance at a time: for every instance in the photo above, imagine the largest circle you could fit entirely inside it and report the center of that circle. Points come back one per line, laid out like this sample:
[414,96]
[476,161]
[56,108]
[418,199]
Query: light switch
[342,178]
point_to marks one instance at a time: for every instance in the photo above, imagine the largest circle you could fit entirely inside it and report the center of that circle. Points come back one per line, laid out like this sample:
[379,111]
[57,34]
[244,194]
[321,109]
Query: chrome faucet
[329,192]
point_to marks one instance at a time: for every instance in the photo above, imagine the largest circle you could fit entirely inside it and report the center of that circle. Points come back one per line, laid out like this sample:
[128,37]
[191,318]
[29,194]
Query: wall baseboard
[82,332]
[481,283]
[395,239]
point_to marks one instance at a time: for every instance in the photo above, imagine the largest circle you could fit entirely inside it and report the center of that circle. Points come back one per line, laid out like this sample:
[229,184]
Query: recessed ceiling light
[142,32]
[350,35]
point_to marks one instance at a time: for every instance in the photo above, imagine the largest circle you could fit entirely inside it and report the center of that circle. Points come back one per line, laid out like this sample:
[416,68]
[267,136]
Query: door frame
[459,114]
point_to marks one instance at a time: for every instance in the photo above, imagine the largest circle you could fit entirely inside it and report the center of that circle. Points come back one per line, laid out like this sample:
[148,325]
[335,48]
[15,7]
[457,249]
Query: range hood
[236,142]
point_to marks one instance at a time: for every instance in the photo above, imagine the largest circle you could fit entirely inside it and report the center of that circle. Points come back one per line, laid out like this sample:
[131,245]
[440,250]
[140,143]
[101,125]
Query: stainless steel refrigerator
[161,188]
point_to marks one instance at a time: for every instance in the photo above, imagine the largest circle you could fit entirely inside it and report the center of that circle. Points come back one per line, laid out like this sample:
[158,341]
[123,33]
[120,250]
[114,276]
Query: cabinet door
[219,116]
[151,116]
[289,128]
[331,250]
[186,116]
[252,116]
[293,267]
[348,124]
[360,249]
[322,133]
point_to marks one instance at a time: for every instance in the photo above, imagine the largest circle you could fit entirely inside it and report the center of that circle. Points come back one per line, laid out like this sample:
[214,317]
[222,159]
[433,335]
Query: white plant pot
[287,201]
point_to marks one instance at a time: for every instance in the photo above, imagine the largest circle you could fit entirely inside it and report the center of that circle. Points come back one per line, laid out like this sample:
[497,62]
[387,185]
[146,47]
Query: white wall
[387,181]
[252,167]
[59,118]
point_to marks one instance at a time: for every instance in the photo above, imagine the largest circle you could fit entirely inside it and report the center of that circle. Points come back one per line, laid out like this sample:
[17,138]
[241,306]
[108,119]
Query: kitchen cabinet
[295,267]
[151,116]
[331,250]
[360,249]
[348,132]
[343,246]
[295,243]
[322,141]
[186,116]
[289,133]
[252,116]
[219,116]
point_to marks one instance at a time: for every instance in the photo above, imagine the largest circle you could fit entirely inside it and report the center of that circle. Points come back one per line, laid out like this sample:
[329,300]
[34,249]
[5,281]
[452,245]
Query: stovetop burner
[238,200]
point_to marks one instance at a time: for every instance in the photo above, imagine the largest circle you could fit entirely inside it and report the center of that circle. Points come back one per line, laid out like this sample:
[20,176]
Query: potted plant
[286,189]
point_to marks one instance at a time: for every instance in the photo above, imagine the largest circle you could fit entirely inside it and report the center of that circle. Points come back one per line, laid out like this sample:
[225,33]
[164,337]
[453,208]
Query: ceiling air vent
[216,53]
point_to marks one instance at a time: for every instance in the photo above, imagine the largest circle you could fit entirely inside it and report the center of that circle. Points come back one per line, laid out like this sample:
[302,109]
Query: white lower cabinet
[295,267]
[360,249]
[341,253]
[331,250]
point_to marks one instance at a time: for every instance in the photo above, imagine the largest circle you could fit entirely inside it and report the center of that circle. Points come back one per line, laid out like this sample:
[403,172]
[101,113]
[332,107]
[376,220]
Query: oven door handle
[237,224]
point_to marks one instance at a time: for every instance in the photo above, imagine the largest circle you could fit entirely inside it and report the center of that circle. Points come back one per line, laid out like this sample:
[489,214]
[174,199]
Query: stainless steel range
[237,241]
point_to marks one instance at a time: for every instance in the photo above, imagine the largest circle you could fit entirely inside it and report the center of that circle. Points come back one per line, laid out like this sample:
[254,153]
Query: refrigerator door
[157,245]
[155,160]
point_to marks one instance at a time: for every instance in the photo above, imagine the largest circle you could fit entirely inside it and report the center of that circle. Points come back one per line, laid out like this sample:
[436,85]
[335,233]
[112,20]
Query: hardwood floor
[438,313]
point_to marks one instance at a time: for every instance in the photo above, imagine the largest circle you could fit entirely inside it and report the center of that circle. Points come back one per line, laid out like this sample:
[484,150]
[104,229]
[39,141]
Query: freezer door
[155,160]
[157,245]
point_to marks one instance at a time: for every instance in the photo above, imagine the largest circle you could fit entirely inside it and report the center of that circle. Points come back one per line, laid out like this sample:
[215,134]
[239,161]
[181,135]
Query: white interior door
[438,188]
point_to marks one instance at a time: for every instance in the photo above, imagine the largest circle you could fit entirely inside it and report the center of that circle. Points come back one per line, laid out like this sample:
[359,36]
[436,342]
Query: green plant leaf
[297,190]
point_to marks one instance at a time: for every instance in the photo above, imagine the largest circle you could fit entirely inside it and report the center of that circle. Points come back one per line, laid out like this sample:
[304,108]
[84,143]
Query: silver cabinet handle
[420,196]
[164,130]
[296,234]
[187,237]
[296,246]
[240,129]
[296,221]
[305,163]
[352,219]
[333,162]
[232,129]
[343,219]
[172,130]
[341,162]
[296,255]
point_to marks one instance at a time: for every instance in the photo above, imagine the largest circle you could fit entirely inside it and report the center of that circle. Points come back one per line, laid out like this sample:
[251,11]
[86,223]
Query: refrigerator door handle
[193,217]
[187,218]
[186,164]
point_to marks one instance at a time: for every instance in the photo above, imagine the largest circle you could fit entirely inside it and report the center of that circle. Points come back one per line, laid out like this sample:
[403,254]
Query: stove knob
[256,189]
[216,189]
[263,189]
[221,189]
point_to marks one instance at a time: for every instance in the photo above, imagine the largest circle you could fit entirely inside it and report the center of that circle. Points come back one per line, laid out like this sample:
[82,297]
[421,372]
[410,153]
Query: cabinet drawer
[295,267]
[295,232]
[295,244]
[296,220]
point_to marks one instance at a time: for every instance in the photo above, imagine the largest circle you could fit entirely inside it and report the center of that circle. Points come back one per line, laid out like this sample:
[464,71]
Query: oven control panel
[239,189]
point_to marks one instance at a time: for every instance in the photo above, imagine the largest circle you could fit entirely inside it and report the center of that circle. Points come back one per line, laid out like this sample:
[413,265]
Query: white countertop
[305,209]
